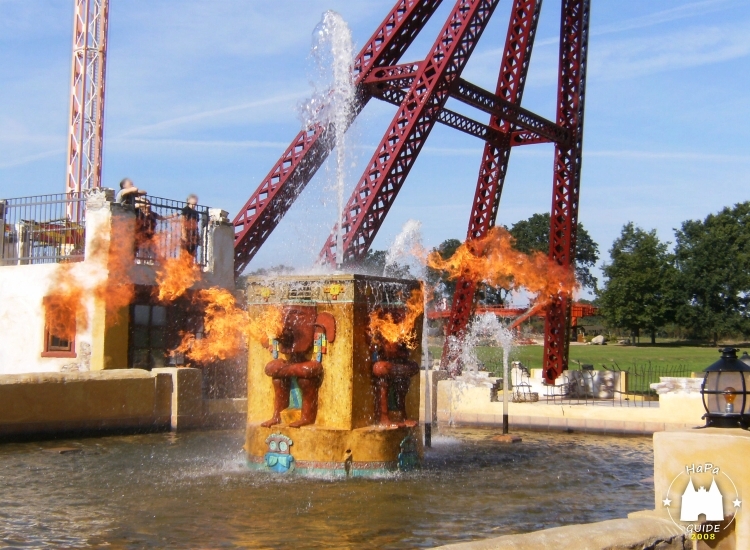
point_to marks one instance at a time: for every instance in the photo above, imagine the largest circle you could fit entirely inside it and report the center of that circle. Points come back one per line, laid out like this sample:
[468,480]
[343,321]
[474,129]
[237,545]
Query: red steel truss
[420,90]
[289,176]
[86,120]
[574,31]
[510,84]
[417,114]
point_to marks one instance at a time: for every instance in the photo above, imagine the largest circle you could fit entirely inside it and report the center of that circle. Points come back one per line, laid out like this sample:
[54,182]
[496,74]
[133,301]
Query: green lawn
[693,358]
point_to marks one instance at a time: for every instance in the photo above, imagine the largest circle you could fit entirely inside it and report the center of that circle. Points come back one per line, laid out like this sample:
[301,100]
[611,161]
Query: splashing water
[485,329]
[332,50]
[407,249]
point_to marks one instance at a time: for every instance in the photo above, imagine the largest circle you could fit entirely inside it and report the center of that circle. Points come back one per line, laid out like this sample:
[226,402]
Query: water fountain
[337,390]
[332,105]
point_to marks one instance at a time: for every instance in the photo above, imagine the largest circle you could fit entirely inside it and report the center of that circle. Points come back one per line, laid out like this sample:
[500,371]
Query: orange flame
[225,325]
[64,308]
[176,275]
[392,330]
[117,290]
[493,260]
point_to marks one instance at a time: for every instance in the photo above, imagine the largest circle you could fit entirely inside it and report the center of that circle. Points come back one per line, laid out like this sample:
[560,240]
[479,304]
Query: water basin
[193,490]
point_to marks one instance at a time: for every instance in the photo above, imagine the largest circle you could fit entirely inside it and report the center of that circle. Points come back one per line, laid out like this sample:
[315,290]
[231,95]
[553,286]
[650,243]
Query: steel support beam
[86,115]
[519,43]
[571,90]
[395,96]
[420,91]
[517,116]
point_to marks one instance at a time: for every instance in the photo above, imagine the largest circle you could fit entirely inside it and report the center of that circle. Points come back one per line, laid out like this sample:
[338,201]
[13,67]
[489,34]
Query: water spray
[332,47]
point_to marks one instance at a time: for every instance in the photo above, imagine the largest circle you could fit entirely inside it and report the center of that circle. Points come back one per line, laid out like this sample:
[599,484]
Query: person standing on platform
[128,192]
[191,231]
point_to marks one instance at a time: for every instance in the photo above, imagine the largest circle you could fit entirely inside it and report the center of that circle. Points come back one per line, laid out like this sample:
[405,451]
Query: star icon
[737,503]
[667,502]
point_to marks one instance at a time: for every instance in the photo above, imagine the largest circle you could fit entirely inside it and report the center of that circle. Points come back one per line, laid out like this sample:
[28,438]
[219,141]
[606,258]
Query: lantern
[725,391]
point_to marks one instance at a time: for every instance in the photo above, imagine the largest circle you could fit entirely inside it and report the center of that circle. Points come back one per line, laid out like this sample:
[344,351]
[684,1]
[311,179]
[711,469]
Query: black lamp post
[726,392]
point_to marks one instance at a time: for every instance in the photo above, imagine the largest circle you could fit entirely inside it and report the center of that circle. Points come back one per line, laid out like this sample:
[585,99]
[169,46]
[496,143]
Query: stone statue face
[298,332]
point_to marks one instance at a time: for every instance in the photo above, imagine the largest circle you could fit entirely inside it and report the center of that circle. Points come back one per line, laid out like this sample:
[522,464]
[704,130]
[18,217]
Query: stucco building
[61,244]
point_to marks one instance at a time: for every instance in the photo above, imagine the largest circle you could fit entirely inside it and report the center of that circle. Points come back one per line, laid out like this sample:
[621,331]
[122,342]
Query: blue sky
[202,97]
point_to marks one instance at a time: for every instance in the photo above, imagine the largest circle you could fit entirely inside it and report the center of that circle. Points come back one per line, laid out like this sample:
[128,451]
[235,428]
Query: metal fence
[627,387]
[164,228]
[42,229]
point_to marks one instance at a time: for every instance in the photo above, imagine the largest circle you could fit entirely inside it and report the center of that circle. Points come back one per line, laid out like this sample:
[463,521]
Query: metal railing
[626,387]
[164,228]
[42,229]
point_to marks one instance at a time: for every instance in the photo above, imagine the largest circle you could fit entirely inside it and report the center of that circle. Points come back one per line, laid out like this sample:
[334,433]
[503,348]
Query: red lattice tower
[86,119]
[420,90]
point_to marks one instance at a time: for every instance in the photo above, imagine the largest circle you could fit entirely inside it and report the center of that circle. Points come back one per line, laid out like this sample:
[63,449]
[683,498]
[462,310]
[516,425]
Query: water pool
[192,490]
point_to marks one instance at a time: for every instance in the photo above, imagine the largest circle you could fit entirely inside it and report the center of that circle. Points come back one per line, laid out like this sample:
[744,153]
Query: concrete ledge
[187,397]
[617,534]
[55,403]
[467,405]
[44,405]
[226,413]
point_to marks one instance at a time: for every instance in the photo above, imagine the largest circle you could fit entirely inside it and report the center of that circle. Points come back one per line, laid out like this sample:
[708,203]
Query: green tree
[533,235]
[713,258]
[639,285]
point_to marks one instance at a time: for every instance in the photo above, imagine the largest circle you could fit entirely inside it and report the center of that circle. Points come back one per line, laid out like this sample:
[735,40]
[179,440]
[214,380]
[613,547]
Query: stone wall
[49,404]
[616,534]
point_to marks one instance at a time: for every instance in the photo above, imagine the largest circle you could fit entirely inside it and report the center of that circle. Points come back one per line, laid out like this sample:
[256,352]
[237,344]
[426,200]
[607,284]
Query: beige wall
[463,404]
[52,403]
[22,289]
[59,402]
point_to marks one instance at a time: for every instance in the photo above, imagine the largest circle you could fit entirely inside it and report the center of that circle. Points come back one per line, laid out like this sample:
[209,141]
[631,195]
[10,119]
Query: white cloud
[668,155]
[193,143]
[639,56]
[186,120]
[20,161]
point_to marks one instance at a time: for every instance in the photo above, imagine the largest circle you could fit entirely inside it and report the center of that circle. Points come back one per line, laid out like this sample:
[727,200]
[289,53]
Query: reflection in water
[193,490]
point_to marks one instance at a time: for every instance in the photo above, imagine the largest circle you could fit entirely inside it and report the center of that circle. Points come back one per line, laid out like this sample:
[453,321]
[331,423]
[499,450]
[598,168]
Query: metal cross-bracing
[309,149]
[86,120]
[514,67]
[415,118]
[395,96]
[505,110]
[574,30]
